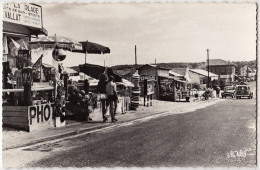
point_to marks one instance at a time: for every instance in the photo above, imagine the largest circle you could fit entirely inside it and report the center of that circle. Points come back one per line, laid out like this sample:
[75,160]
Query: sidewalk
[14,138]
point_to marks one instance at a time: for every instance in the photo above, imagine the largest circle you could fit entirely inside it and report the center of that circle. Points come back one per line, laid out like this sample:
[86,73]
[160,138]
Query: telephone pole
[135,59]
[229,73]
[208,65]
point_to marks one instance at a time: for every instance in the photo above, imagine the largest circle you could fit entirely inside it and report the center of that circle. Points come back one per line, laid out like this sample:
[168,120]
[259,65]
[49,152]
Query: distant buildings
[203,77]
[149,71]
[224,69]
[160,75]
[247,72]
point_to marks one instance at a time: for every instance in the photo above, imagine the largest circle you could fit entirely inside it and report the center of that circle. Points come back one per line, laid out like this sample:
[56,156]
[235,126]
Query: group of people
[108,87]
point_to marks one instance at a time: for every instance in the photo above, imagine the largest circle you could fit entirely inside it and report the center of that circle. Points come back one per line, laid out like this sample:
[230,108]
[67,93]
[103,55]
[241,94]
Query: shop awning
[21,29]
[47,65]
[178,79]
[125,83]
[96,70]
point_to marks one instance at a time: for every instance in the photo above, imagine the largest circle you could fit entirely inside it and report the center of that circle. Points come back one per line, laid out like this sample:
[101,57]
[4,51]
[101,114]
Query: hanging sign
[24,14]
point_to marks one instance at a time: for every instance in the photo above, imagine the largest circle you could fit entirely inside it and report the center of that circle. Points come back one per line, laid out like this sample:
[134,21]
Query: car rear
[243,91]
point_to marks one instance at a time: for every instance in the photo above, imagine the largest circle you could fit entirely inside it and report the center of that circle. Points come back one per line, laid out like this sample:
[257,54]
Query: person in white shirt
[112,97]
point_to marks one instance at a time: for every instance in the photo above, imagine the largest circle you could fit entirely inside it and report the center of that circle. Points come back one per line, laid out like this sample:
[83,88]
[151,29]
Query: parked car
[243,91]
[228,91]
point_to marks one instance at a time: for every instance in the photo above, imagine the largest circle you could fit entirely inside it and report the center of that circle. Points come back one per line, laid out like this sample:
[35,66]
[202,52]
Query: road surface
[221,135]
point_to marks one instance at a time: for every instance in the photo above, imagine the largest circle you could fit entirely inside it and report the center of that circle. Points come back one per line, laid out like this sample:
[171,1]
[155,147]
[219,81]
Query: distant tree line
[195,65]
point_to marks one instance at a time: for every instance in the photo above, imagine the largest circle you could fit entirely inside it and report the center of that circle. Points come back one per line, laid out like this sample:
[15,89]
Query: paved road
[220,135]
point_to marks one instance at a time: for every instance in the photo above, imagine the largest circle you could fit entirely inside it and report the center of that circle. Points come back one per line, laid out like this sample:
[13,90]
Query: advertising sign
[150,87]
[24,14]
[41,116]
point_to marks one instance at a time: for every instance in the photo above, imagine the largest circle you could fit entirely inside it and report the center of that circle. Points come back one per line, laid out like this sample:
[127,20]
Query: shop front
[27,105]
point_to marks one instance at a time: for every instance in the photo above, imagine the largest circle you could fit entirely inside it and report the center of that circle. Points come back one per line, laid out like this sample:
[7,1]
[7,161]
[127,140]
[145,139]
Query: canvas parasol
[51,42]
[92,48]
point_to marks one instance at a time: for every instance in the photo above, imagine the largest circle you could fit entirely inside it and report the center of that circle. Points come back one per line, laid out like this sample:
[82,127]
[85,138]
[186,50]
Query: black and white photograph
[129,85]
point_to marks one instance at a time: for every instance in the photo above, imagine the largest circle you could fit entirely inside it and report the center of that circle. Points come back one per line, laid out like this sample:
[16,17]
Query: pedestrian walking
[101,88]
[112,97]
[218,91]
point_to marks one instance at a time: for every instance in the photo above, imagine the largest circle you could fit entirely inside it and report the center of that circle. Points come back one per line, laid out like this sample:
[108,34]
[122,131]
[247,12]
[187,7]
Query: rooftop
[180,71]
[218,62]
[203,72]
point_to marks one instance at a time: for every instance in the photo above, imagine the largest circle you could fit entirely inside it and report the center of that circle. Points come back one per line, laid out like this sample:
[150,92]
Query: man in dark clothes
[86,86]
[218,91]
[112,97]
[101,88]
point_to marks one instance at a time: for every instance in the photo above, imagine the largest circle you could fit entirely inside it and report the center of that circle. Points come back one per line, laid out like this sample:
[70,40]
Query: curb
[49,138]
[73,133]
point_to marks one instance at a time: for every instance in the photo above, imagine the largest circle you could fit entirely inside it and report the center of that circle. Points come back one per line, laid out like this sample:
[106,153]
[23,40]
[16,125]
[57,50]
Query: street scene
[136,85]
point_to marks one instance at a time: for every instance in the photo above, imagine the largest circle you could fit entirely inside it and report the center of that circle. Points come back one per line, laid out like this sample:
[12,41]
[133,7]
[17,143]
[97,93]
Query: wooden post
[27,93]
[66,84]
[159,83]
[144,99]
[151,99]
[145,91]
[208,65]
[135,59]
[174,91]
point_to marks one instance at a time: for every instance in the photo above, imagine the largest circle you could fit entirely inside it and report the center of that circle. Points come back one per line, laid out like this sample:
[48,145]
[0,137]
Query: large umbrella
[51,42]
[92,48]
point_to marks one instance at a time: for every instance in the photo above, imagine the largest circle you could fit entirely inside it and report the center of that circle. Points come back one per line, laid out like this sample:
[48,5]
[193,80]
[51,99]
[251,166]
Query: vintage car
[228,91]
[243,91]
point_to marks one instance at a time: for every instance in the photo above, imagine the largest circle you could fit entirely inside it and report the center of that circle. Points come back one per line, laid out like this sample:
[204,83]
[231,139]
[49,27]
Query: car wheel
[237,97]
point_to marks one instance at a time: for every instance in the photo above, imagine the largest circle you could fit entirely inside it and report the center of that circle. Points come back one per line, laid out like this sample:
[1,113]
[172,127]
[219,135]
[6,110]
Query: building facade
[224,69]
[160,76]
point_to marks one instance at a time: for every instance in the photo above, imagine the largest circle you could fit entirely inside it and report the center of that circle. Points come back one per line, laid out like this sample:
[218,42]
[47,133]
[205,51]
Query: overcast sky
[169,32]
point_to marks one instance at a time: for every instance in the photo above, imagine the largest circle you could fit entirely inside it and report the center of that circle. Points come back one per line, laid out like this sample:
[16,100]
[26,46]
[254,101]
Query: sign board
[163,73]
[41,116]
[23,14]
[150,87]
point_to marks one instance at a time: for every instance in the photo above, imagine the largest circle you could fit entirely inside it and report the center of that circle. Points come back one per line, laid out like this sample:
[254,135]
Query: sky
[167,32]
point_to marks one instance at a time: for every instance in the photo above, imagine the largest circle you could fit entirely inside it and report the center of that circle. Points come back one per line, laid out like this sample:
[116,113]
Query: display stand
[148,92]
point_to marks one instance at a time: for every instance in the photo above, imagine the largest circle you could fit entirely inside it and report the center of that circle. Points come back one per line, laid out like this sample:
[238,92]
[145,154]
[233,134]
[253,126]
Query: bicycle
[206,96]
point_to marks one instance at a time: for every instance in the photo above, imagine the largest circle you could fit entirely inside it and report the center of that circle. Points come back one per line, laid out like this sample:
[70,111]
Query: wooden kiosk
[27,105]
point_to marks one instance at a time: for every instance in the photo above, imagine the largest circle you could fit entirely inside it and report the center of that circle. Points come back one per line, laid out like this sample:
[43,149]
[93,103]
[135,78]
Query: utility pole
[208,65]
[135,59]
[155,61]
[229,73]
